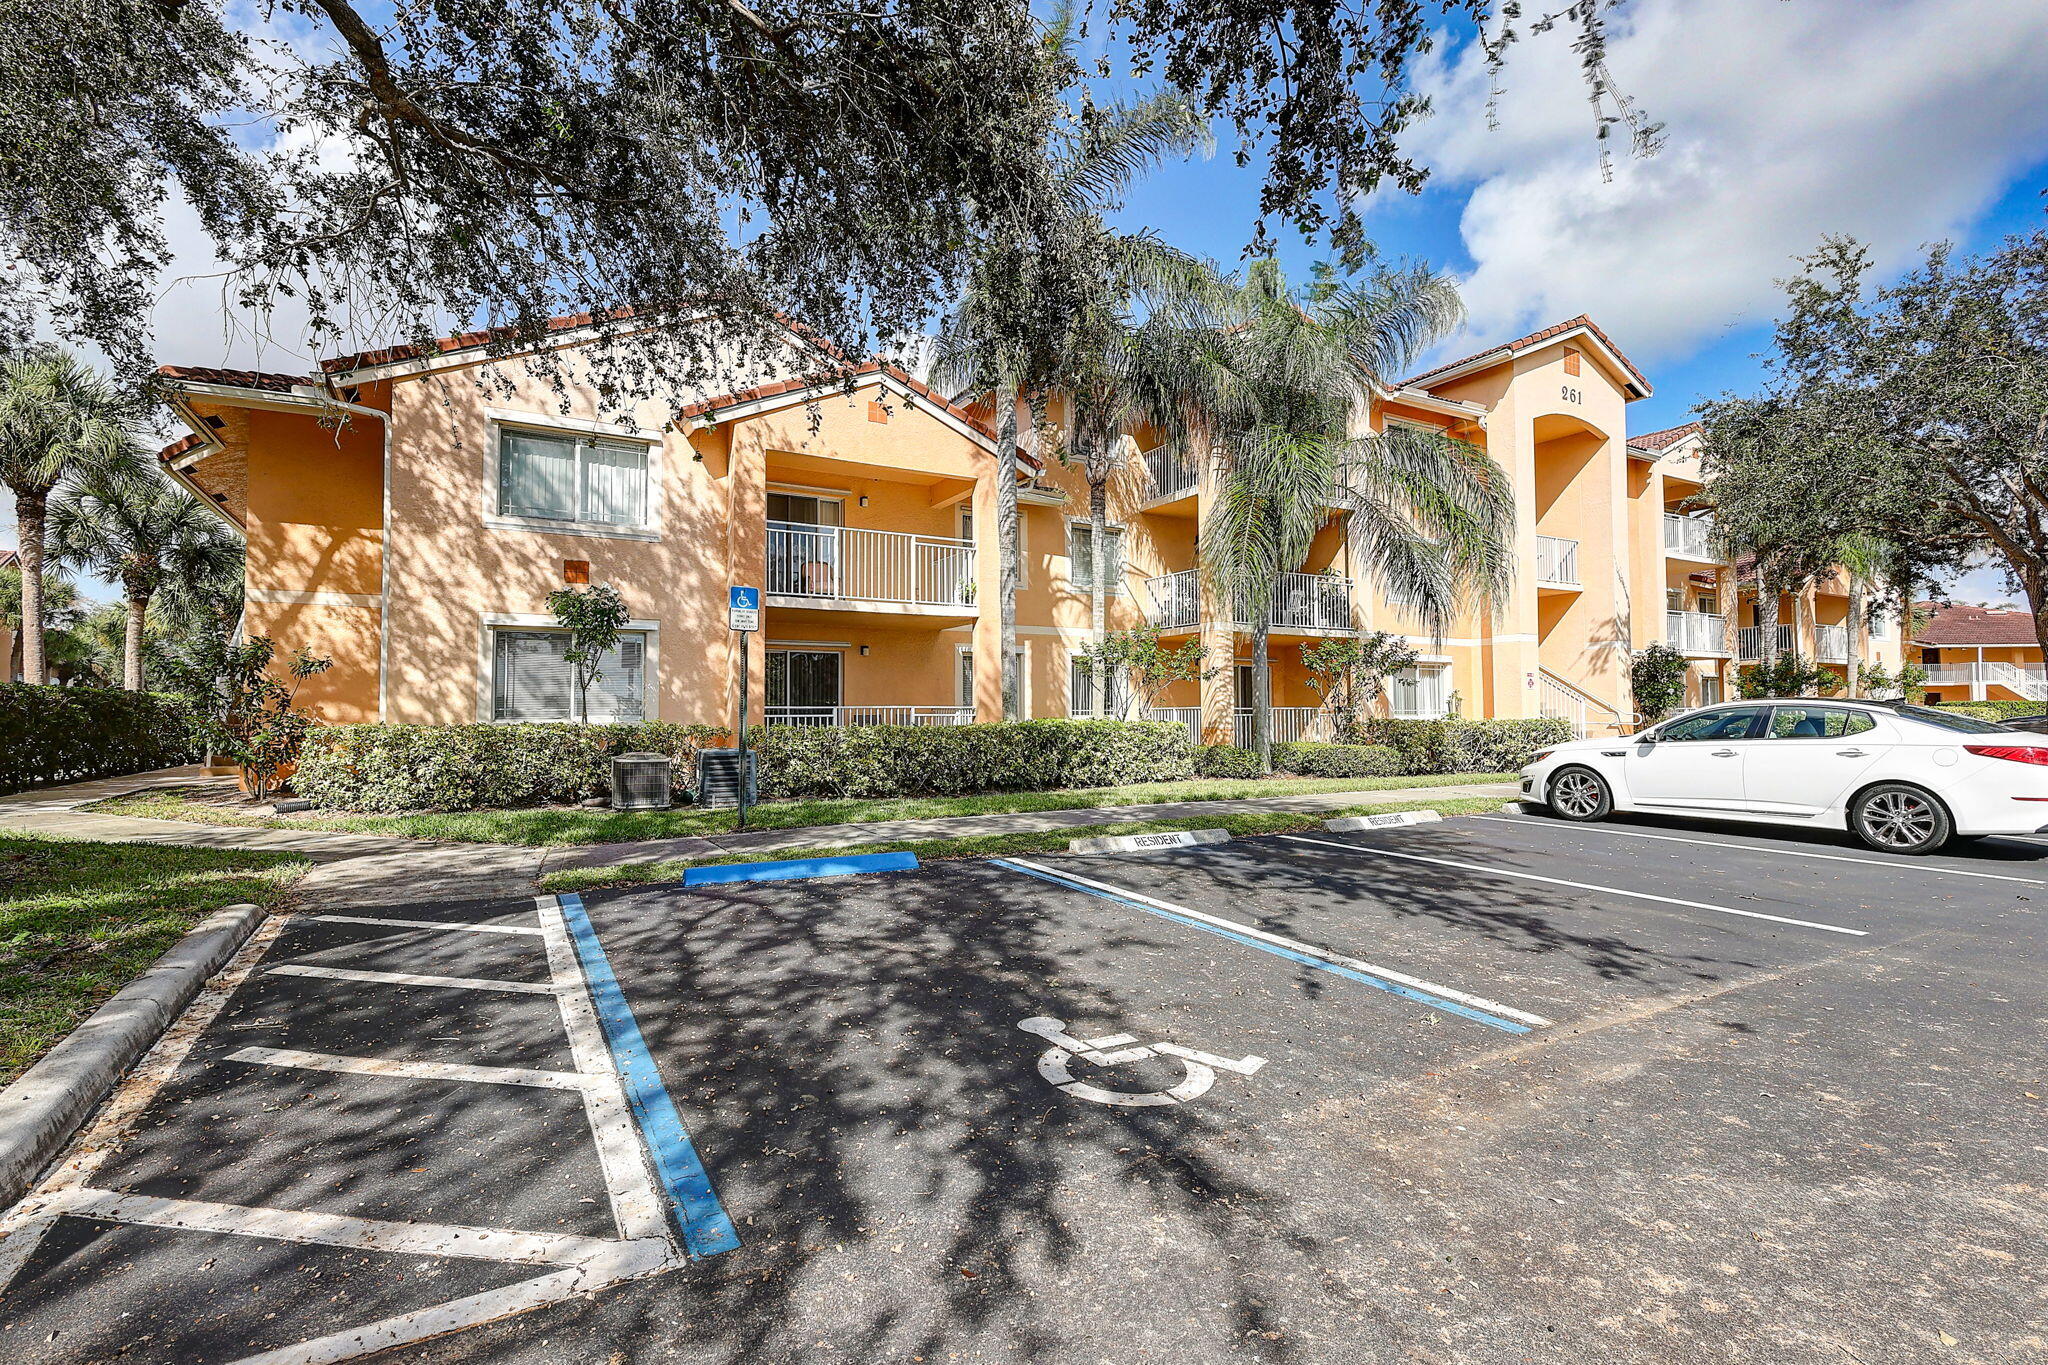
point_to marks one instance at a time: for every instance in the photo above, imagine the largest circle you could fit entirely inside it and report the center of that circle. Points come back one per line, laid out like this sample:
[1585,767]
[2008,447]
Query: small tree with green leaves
[247,715]
[1656,677]
[1148,662]
[1349,674]
[594,615]
[1787,676]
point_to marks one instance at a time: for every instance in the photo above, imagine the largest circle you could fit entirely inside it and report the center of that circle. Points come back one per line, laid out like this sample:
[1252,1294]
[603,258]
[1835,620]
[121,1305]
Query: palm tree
[1283,376]
[59,607]
[1038,312]
[128,522]
[57,418]
[1864,560]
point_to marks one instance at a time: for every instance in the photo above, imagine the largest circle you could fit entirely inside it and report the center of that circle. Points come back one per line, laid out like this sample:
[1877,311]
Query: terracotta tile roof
[180,446]
[1658,440]
[1535,338]
[462,341]
[9,558]
[1953,624]
[239,379]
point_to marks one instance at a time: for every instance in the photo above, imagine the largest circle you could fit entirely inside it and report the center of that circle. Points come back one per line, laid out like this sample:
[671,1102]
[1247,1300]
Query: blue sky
[1900,122]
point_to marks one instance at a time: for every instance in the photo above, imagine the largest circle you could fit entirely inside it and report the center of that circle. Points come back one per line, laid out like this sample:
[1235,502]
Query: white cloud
[1896,121]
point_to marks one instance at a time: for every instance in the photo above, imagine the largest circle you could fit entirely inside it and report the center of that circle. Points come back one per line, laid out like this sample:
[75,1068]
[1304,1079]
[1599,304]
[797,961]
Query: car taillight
[2013,753]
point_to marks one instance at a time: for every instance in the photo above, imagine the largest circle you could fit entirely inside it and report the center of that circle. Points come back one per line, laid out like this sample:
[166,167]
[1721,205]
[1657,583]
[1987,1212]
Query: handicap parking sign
[746,608]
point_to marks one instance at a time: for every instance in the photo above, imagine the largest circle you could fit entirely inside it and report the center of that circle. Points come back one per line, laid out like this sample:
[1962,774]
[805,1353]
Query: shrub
[384,768]
[1997,709]
[69,734]
[1466,746]
[1227,760]
[799,762]
[1339,760]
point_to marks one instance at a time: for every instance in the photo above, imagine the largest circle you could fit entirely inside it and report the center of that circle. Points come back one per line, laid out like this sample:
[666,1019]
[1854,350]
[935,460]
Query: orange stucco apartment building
[409,523]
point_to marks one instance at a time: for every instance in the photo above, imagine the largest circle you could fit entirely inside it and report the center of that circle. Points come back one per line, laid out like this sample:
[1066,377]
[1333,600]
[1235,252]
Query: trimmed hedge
[799,762]
[70,734]
[1466,746]
[387,768]
[1339,760]
[1226,760]
[1994,709]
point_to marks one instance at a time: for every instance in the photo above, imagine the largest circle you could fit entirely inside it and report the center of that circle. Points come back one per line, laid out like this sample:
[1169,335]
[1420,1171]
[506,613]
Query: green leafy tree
[58,419]
[60,608]
[1349,673]
[1146,662]
[1656,677]
[1788,675]
[507,162]
[1915,414]
[594,615]
[127,522]
[248,715]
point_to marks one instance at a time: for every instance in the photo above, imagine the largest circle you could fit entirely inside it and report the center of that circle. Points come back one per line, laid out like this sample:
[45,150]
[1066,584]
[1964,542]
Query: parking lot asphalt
[1497,1089]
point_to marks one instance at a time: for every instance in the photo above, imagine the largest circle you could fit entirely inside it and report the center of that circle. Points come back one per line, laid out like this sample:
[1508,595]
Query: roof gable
[1557,331]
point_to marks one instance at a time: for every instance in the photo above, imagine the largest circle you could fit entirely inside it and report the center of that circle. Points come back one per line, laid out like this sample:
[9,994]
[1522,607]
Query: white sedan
[1906,779]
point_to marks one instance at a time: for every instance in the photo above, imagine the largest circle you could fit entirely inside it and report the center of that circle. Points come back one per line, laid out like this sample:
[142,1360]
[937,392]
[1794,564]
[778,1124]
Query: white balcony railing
[1697,633]
[1301,601]
[1288,724]
[1749,642]
[839,717]
[1190,716]
[848,564]
[1692,537]
[1305,601]
[1174,601]
[1171,473]
[2026,681]
[1557,561]
[1831,644]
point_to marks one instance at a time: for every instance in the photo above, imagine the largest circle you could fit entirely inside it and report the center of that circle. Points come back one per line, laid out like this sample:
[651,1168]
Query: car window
[1817,722]
[1951,720]
[1710,725]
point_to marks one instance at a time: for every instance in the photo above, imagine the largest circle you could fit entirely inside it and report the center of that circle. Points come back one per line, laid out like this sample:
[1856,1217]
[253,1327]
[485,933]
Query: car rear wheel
[1580,794]
[1895,817]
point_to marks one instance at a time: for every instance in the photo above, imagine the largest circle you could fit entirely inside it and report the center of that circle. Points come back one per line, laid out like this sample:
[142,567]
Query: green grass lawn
[998,845]
[557,825]
[80,920]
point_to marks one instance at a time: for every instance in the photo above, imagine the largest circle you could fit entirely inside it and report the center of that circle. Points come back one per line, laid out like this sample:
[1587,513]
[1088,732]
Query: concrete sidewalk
[769,842]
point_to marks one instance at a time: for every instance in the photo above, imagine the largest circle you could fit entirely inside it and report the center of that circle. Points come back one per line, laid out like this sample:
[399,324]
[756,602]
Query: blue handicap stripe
[1334,968]
[795,868]
[706,1229]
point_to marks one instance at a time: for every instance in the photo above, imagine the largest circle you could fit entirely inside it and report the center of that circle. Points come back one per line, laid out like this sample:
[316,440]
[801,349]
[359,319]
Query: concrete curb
[1351,823]
[1145,843]
[45,1108]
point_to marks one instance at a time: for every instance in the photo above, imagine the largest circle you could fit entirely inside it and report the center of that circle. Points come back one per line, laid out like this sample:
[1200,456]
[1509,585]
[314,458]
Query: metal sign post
[745,606]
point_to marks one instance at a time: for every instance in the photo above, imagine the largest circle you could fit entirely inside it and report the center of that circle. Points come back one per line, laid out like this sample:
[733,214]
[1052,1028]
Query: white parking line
[467,983]
[418,1071]
[1579,886]
[336,1230]
[1901,866]
[1249,931]
[425,924]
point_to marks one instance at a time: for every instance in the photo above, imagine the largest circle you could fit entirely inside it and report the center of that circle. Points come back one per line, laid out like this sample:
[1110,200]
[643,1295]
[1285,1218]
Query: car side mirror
[1647,737]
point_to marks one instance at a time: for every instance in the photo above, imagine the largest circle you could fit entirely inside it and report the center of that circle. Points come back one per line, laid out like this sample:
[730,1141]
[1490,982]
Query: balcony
[2028,682]
[1831,644]
[1698,634]
[839,717]
[843,567]
[1749,642]
[1691,538]
[1557,563]
[1303,603]
[1172,474]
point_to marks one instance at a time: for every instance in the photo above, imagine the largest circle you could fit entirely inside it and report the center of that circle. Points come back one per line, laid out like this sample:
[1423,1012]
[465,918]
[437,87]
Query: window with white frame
[1081,556]
[532,679]
[1419,693]
[562,476]
[1880,625]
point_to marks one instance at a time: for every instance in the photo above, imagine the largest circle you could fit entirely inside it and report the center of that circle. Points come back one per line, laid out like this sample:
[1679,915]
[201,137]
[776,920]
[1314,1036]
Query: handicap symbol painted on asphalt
[1112,1050]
